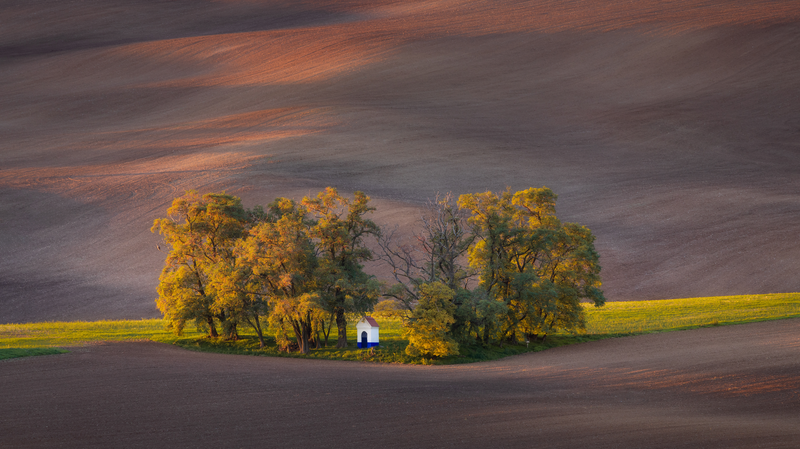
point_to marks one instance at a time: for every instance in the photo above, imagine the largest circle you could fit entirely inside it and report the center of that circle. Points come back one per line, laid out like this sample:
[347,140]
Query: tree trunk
[259,332]
[212,329]
[303,340]
[511,337]
[261,343]
[301,335]
[341,325]
[330,326]
[231,331]
[487,329]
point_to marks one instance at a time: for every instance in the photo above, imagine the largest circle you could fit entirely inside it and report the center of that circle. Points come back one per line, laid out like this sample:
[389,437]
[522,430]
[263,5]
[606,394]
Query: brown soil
[727,387]
[670,128]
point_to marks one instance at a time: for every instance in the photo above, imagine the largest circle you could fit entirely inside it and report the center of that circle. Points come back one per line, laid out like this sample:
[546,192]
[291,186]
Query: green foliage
[486,273]
[291,267]
[202,231]
[532,271]
[539,268]
[339,234]
[480,315]
[389,308]
[428,330]
[279,258]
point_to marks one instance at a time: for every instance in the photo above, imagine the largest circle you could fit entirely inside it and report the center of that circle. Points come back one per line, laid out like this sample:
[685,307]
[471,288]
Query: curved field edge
[13,353]
[615,319]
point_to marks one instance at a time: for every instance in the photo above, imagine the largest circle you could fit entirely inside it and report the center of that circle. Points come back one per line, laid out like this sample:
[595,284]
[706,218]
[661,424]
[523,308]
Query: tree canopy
[539,268]
[339,233]
[513,269]
[202,231]
[488,268]
[295,264]
[428,330]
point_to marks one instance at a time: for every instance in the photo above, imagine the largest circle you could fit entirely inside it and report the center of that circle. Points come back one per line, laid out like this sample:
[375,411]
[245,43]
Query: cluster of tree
[485,269]
[295,266]
[491,268]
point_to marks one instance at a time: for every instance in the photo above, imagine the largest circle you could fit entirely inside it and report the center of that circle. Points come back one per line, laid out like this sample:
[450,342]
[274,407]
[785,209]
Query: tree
[526,259]
[237,292]
[435,254]
[300,265]
[228,265]
[239,281]
[428,330]
[339,233]
[281,259]
[202,231]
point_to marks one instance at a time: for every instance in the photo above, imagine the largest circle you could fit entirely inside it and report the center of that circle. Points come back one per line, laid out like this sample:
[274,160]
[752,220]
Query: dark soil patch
[724,387]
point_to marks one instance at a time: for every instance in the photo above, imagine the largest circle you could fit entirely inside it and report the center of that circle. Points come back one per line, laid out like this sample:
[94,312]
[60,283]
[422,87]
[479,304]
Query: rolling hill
[671,128]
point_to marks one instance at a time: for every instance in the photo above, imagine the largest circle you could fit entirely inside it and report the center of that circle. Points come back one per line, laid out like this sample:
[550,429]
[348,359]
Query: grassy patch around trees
[13,353]
[615,319]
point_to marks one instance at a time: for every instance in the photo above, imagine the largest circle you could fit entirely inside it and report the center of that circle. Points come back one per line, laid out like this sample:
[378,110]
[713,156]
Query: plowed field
[725,387]
[670,128]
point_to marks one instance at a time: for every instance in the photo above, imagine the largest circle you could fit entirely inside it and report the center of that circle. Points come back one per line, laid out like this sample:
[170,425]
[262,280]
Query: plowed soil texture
[724,387]
[671,128]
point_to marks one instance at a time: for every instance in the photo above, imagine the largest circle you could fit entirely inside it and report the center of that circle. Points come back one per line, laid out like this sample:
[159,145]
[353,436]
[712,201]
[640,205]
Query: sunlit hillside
[671,128]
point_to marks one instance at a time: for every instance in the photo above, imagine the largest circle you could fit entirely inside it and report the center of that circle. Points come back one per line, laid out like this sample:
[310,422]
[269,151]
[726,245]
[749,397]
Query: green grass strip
[12,353]
[636,317]
[612,320]
[76,333]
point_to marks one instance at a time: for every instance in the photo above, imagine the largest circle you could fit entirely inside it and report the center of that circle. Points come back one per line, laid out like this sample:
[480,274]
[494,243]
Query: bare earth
[728,387]
[671,128]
